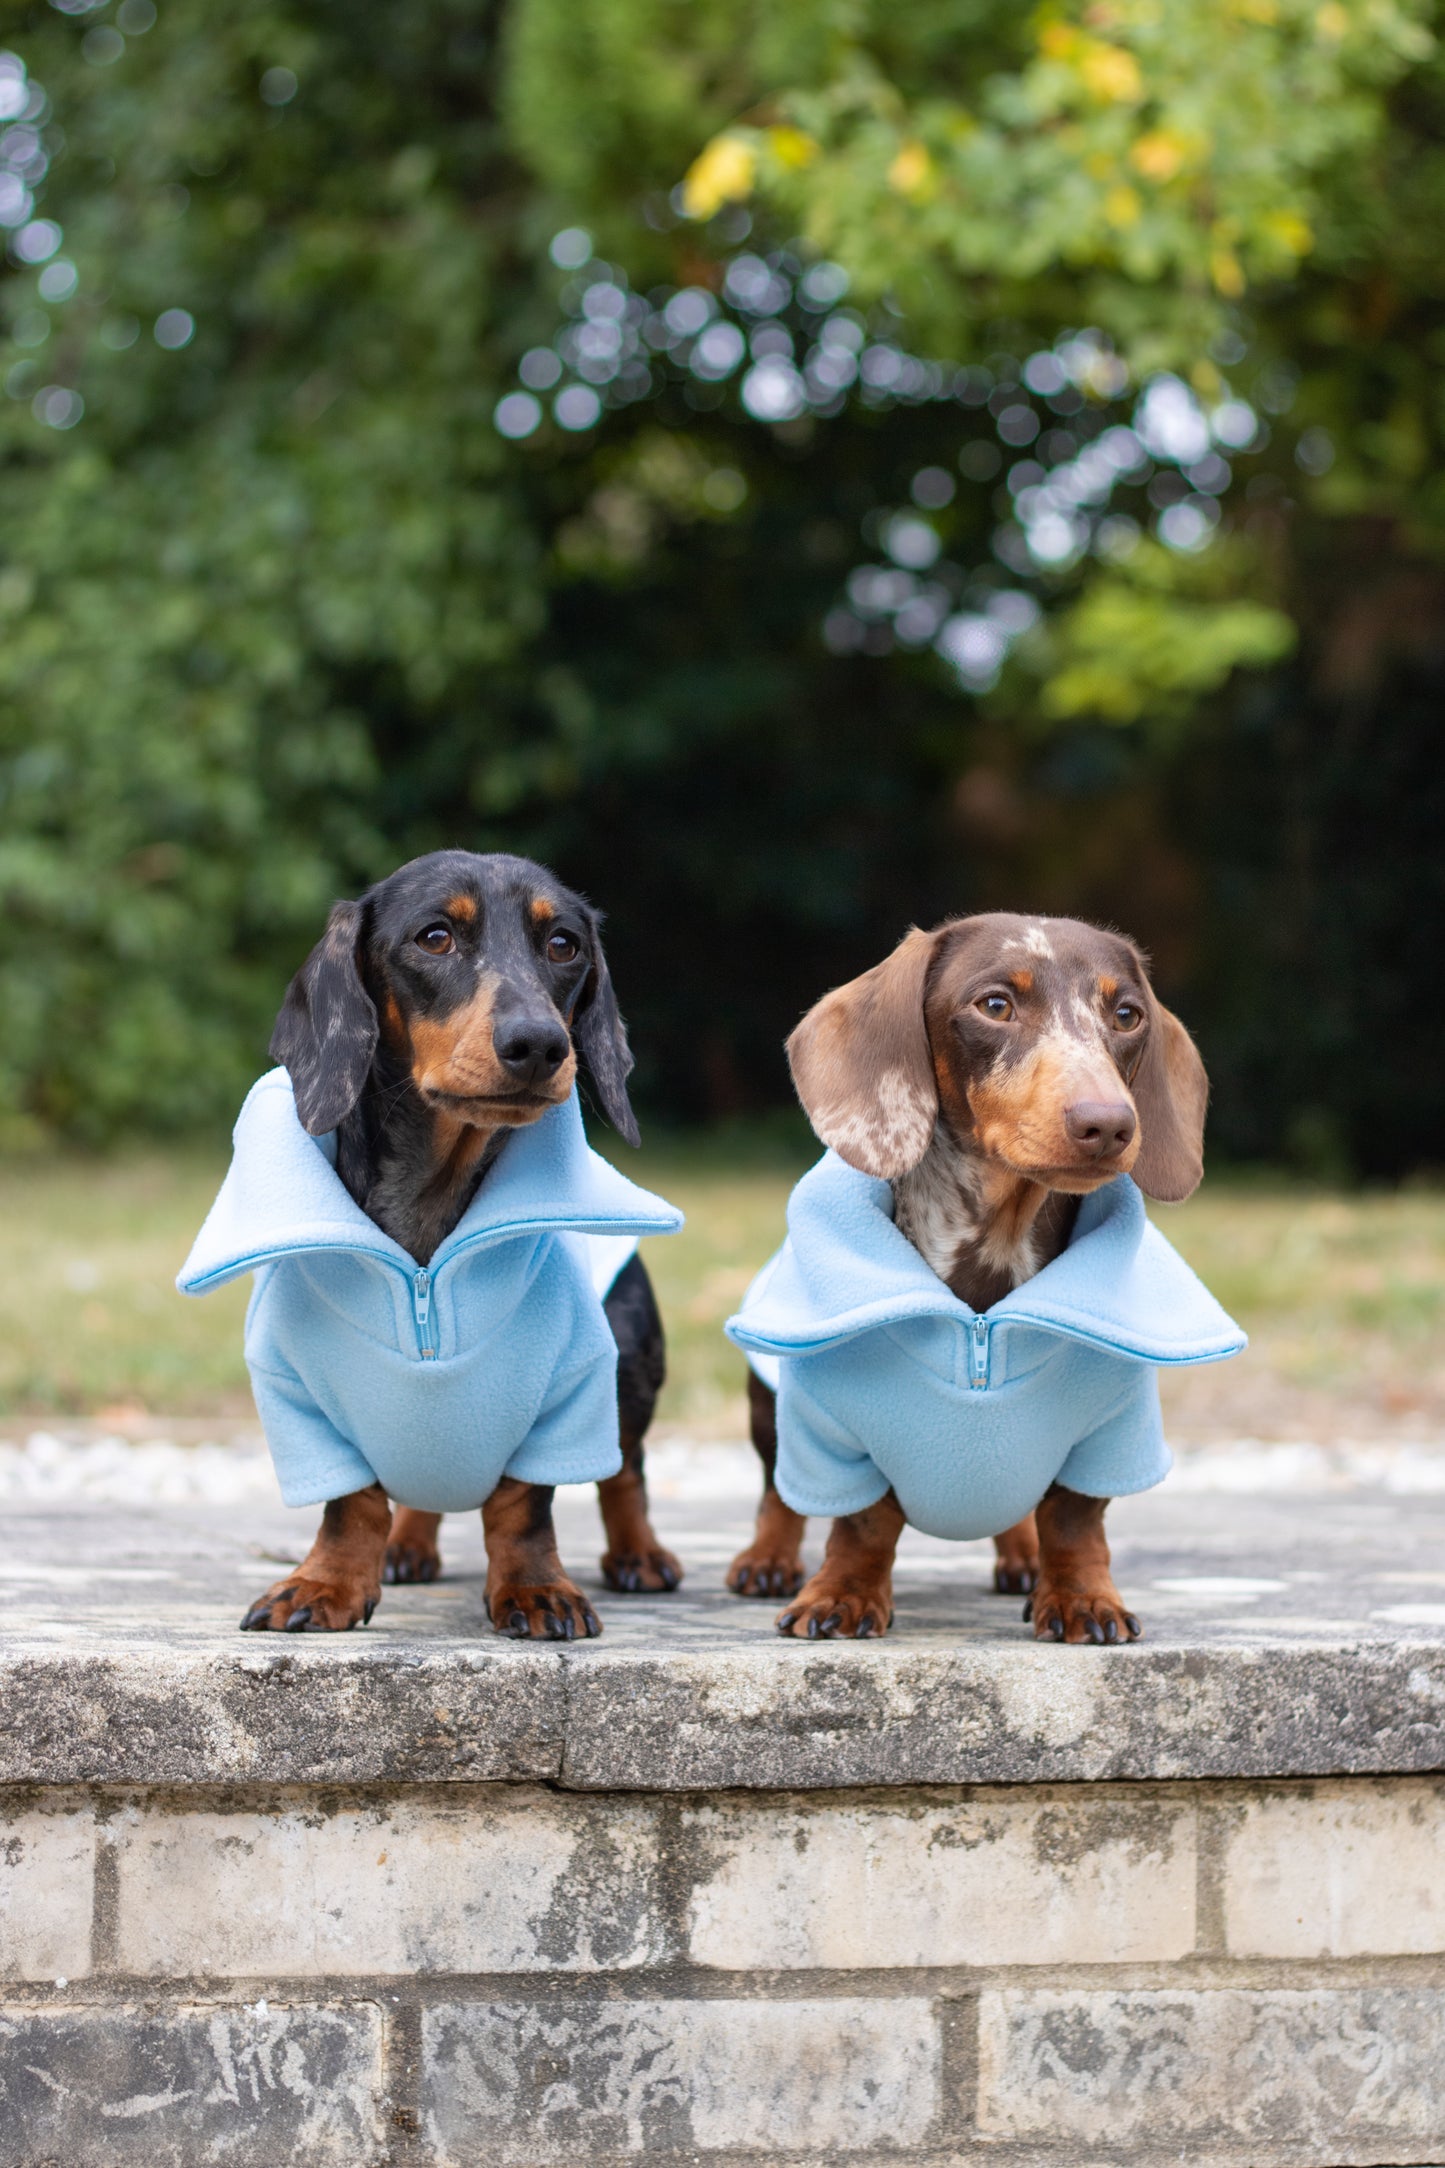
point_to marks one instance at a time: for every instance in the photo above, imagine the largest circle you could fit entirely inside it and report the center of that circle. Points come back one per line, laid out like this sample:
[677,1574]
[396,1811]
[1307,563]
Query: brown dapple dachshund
[993,1071]
[444,1009]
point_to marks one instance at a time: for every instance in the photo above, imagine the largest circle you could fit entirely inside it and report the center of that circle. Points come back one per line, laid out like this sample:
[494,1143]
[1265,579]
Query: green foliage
[1150,636]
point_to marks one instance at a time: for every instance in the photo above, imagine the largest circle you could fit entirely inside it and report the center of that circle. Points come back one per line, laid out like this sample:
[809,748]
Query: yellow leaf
[1256,11]
[1332,22]
[792,147]
[723,172]
[1122,207]
[1059,40]
[1159,155]
[1111,74]
[1225,271]
[911,172]
[1290,230]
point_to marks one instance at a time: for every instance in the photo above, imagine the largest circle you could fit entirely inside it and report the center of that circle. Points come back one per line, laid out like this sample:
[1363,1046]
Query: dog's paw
[307,1603]
[635,1573]
[831,1609]
[762,1571]
[1076,1611]
[1016,1558]
[542,1611]
[412,1562]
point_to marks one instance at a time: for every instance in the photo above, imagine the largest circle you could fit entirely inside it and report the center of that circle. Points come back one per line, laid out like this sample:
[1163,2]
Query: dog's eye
[562,948]
[436,940]
[996,1007]
[1127,1017]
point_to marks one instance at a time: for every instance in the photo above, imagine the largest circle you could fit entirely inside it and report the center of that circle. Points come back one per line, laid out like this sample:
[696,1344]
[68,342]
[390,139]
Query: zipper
[421,1306]
[978,1356]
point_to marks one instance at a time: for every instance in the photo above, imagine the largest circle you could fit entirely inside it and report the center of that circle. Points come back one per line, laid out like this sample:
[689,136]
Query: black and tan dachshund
[444,1009]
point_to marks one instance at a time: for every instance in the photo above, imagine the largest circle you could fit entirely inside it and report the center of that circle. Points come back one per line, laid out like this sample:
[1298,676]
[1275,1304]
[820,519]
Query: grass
[1342,1294]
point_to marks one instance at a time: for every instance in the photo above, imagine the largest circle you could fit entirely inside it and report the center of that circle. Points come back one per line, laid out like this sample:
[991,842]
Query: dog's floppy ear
[1171,1092]
[862,1067]
[602,1039]
[327,1031]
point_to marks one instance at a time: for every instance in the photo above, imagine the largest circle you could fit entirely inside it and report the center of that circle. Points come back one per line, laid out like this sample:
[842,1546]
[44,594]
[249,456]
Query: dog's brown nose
[1101,1128]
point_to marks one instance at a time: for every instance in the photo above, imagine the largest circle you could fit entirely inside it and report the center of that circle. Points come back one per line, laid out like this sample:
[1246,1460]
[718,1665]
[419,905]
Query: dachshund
[439,1013]
[994,1071]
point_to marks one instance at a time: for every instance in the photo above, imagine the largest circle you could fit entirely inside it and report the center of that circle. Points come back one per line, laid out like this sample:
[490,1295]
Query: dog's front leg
[529,1594]
[852,1591]
[338,1583]
[1075,1598]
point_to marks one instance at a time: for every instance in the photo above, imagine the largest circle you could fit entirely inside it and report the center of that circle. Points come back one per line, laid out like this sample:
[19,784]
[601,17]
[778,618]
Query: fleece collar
[283,1195]
[846,1269]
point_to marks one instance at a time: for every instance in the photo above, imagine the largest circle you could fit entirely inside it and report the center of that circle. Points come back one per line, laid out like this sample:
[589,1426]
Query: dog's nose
[1101,1128]
[531,1048]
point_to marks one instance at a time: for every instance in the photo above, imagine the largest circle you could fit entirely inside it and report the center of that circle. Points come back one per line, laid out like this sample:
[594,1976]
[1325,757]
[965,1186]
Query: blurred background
[799,469]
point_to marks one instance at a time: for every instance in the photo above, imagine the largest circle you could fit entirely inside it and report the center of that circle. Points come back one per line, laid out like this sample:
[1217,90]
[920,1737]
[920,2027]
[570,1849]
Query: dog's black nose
[1102,1128]
[531,1048]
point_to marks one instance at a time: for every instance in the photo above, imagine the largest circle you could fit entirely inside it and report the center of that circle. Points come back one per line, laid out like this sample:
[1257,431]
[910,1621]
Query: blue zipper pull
[978,1356]
[421,1304]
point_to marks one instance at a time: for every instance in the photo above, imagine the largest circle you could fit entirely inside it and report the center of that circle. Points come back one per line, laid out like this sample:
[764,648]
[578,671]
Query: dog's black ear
[862,1067]
[602,1039]
[327,1031]
[1171,1092]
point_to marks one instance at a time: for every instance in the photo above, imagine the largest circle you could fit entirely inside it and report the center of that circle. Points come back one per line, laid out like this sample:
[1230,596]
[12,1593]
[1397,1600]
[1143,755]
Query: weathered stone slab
[496,1880]
[334,1710]
[871,1713]
[1027,1876]
[564,2082]
[1279,1644]
[47,1868]
[191,2086]
[1358,2073]
[1338,1870]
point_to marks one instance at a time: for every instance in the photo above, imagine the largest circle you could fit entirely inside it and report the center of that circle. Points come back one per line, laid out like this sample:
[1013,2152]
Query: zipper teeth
[978,1356]
[421,1305]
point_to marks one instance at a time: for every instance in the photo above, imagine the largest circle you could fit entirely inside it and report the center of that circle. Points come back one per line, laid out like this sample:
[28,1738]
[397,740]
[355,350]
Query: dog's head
[1038,1040]
[479,978]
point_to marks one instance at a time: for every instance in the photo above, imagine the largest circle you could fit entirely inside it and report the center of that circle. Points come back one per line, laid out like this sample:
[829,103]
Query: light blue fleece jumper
[888,1380]
[494,1360]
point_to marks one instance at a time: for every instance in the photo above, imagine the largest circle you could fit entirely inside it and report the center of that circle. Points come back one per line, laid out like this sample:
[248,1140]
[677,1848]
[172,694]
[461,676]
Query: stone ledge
[1286,1638]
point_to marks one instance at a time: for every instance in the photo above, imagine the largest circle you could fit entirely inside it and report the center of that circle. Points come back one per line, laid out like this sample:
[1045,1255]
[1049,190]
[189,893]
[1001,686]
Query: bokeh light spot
[517,415]
[578,407]
[38,241]
[174,328]
[570,248]
[279,86]
[58,281]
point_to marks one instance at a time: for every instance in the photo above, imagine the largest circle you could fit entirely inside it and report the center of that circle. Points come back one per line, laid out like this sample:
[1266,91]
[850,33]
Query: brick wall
[1218,1972]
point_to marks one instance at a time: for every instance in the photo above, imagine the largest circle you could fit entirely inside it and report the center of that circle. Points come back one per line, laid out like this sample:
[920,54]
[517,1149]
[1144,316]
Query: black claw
[590,1620]
[430,1569]
[671,1576]
[1055,1626]
[371,1603]
[865,1628]
[1028,1610]
[1094,1631]
[299,1620]
[813,1629]
[1135,1629]
[516,1622]
[785,1620]
[831,1623]
[1111,1630]
[388,1572]
[1028,1579]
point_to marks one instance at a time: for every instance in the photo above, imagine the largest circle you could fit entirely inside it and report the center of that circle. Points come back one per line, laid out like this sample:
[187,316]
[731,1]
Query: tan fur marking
[453,1057]
[541,911]
[1018,1110]
[461,908]
[1022,982]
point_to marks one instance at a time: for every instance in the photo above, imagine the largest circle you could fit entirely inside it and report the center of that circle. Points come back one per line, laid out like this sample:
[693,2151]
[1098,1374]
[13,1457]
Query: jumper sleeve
[821,1467]
[574,1439]
[1126,1451]
[313,1461]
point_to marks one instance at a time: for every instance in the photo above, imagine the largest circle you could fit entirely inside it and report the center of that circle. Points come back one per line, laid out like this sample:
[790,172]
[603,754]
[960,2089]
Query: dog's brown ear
[862,1067]
[1171,1092]
[601,1038]
[326,1032]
